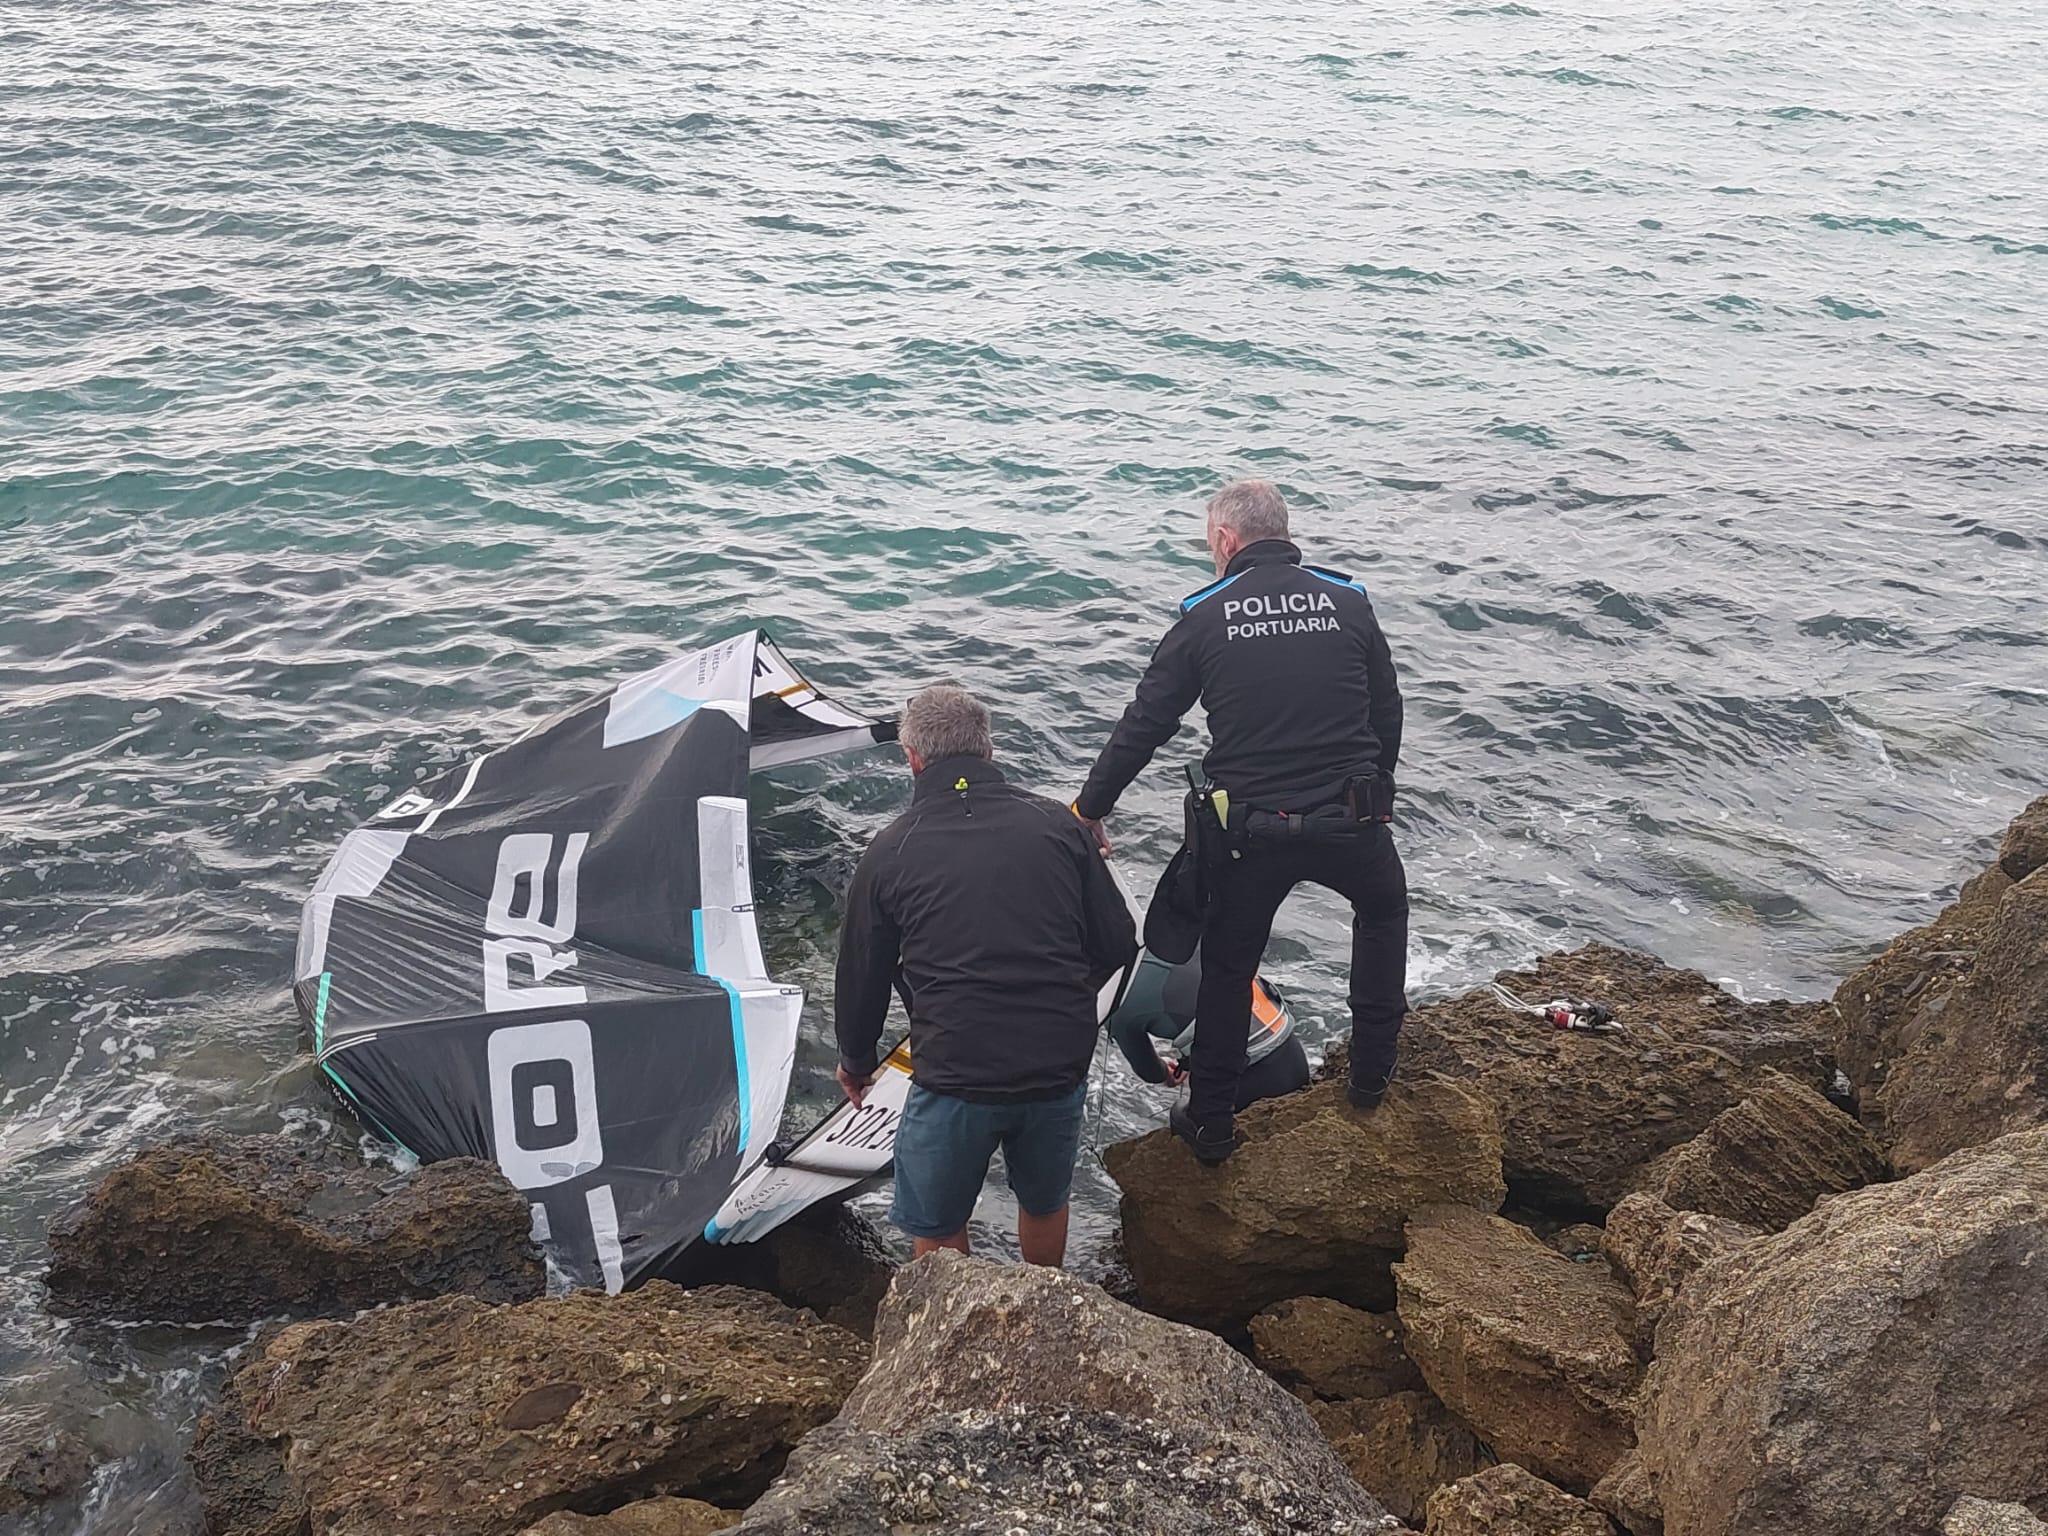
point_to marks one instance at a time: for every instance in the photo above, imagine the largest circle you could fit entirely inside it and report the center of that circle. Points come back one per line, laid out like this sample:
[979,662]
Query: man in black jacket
[1304,719]
[991,910]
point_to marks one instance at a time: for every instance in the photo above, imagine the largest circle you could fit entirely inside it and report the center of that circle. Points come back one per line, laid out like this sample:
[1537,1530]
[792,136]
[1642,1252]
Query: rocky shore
[1740,1269]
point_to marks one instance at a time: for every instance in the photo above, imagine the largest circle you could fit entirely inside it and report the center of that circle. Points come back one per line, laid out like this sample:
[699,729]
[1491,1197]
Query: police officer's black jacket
[1002,922]
[1291,666]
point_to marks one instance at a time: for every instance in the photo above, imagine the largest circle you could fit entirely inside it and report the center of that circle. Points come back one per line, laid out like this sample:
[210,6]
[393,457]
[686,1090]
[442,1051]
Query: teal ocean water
[375,379]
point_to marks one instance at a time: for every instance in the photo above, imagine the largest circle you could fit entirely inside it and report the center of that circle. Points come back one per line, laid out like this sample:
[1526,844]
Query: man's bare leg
[1043,1238]
[920,1246]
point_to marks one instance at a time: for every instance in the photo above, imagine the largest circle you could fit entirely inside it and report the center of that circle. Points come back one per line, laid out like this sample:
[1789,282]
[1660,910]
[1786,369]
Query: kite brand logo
[544,1123]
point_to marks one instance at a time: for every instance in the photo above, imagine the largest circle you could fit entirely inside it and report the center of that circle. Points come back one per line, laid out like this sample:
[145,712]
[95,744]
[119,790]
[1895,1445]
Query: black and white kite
[548,958]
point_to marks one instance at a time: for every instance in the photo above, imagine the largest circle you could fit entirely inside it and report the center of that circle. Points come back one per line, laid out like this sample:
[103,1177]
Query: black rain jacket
[992,911]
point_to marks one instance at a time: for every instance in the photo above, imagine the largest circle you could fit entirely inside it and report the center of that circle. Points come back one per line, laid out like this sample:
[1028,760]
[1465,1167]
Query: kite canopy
[547,957]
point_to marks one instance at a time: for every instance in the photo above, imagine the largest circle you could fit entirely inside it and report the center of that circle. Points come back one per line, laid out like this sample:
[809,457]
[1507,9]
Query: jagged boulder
[1534,1351]
[471,1420]
[1582,1115]
[215,1228]
[1764,1162]
[1883,1008]
[1867,1366]
[648,1517]
[1324,1349]
[1401,1448]
[1012,1398]
[1980,1517]
[1627,1495]
[1655,1250]
[42,1457]
[2025,848]
[828,1258]
[1314,1202]
[1508,1501]
[1976,1068]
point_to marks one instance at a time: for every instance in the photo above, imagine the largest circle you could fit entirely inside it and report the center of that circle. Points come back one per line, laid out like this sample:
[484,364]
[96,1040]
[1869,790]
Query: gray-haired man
[999,917]
[1305,730]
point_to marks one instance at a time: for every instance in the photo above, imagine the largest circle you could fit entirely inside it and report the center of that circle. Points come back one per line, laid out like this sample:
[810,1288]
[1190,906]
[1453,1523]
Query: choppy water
[375,378]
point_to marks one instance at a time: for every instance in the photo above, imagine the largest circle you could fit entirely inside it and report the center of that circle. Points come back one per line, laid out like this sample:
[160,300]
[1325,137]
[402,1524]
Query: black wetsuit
[1299,686]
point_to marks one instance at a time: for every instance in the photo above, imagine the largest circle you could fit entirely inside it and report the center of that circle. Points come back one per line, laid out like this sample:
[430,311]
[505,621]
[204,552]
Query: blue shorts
[943,1145]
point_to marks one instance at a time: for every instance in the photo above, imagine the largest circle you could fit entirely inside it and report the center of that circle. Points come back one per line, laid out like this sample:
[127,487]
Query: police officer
[1305,730]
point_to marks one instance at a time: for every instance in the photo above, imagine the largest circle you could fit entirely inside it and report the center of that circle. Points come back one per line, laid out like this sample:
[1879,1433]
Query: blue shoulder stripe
[1340,579]
[1187,603]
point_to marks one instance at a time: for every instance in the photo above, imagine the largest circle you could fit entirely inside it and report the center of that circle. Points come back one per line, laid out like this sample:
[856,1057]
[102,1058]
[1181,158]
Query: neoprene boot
[1211,1144]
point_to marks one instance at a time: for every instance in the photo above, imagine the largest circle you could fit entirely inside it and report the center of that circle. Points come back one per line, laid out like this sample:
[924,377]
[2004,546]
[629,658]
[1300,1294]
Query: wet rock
[1977,1067]
[1508,1501]
[1979,1517]
[1764,1162]
[648,1517]
[1015,1398]
[2025,848]
[1656,1250]
[1313,1203]
[1531,1349]
[1582,1115]
[1863,1369]
[829,1258]
[471,1420]
[41,1458]
[1627,1495]
[1885,1007]
[216,1228]
[1400,1448]
[1326,1349]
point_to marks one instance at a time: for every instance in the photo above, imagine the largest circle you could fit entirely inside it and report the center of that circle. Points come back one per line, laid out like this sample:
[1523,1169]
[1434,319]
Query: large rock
[1017,1398]
[1314,1202]
[828,1258]
[1534,1351]
[1325,1349]
[1980,1517]
[648,1517]
[1867,1366]
[41,1457]
[217,1228]
[1764,1162]
[2025,848]
[1401,1448]
[1977,1068]
[1627,1495]
[1582,1115]
[1656,1250]
[462,1419]
[1507,1501]
[1883,1008]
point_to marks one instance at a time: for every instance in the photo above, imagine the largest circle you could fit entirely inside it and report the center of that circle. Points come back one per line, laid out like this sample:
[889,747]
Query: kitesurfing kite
[547,957]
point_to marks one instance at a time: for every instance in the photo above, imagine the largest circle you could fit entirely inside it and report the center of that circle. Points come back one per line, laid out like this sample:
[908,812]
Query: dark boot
[1211,1143]
[1367,1088]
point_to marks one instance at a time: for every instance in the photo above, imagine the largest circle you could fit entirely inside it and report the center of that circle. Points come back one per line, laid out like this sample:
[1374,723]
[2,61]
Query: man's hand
[855,1088]
[1095,830]
[1176,1072]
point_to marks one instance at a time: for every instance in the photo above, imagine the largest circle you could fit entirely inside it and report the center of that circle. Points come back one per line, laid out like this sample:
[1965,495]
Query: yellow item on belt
[1221,800]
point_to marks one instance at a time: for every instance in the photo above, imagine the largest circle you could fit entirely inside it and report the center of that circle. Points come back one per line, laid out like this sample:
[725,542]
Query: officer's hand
[1176,1074]
[1096,831]
[855,1088]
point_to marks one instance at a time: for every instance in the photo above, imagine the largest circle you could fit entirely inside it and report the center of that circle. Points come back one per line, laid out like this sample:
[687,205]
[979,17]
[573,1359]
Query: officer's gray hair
[1252,509]
[946,721]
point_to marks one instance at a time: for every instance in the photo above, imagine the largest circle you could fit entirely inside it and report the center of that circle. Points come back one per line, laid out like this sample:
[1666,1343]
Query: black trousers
[1358,863]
